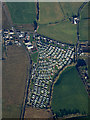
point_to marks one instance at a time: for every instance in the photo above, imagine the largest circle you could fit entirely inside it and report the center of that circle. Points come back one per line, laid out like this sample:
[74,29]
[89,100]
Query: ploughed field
[69,95]
[54,21]
[14,75]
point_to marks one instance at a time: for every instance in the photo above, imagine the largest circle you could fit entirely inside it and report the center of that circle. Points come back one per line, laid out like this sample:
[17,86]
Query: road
[78,35]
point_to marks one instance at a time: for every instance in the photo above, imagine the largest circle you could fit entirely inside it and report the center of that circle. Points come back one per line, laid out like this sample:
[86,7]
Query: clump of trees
[80,62]
[35,25]
[64,111]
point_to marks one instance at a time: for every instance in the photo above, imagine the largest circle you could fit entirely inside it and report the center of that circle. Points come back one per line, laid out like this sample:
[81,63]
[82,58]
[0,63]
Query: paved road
[78,35]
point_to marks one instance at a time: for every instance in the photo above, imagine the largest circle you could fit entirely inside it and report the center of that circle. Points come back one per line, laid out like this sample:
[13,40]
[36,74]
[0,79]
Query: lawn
[69,93]
[22,12]
[84,26]
[50,12]
[14,75]
[34,57]
[63,32]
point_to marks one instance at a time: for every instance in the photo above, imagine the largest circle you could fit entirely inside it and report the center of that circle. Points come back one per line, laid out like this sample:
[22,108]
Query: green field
[84,24]
[22,12]
[69,93]
[50,12]
[34,57]
[70,8]
[64,31]
[57,11]
[54,21]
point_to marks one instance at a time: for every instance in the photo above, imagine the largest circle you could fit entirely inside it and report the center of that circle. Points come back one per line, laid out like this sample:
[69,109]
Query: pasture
[84,26]
[54,21]
[63,31]
[22,12]
[69,95]
[70,8]
[50,12]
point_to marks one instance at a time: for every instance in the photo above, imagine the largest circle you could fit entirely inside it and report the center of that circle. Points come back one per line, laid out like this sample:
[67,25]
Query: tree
[35,25]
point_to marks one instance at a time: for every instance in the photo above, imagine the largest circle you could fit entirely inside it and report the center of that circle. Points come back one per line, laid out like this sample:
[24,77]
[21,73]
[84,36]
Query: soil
[37,113]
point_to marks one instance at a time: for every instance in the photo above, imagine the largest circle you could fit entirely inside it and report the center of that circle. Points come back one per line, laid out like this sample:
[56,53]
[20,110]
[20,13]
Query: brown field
[14,75]
[25,27]
[37,113]
[5,23]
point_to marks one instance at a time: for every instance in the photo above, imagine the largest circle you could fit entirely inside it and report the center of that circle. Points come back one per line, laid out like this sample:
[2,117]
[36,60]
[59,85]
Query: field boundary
[73,64]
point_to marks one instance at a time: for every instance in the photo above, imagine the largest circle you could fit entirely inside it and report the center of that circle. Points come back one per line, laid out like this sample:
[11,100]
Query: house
[75,20]
[27,42]
[5,31]
[21,35]
[7,36]
[11,36]
[16,41]
[29,47]
[11,32]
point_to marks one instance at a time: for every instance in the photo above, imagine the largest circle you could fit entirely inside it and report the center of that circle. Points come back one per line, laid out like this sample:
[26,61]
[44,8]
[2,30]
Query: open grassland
[22,12]
[54,21]
[34,57]
[70,8]
[50,12]
[56,11]
[84,26]
[84,30]
[14,75]
[63,32]
[69,93]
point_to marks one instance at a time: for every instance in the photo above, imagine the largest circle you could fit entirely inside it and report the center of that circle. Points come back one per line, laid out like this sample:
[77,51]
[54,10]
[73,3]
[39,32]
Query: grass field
[14,74]
[54,21]
[70,8]
[22,12]
[50,12]
[84,26]
[64,31]
[69,92]
[34,57]
[56,11]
